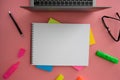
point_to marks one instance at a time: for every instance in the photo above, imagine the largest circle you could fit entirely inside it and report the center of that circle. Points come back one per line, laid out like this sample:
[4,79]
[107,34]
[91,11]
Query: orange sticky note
[79,78]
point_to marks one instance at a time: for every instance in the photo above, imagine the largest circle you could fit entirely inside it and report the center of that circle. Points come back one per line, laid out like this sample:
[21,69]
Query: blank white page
[60,44]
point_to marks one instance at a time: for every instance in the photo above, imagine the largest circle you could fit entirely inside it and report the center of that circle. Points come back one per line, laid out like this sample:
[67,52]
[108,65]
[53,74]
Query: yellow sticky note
[51,20]
[92,40]
[60,77]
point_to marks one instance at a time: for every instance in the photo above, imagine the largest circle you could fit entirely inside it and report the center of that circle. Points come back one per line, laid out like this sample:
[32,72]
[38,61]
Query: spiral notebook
[60,44]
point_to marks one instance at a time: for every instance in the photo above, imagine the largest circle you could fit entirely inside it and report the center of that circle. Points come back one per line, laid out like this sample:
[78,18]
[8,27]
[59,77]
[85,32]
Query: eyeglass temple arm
[118,14]
[113,37]
[104,22]
[119,36]
[119,30]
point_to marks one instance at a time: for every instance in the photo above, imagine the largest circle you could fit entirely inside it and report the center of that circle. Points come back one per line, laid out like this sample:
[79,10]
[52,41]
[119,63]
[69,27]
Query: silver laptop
[84,5]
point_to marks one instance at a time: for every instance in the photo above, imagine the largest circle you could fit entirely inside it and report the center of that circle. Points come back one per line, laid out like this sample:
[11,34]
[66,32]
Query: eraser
[78,68]
[21,52]
[60,77]
[107,57]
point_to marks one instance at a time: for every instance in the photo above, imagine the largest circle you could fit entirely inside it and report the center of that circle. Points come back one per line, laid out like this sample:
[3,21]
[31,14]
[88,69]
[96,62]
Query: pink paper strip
[78,68]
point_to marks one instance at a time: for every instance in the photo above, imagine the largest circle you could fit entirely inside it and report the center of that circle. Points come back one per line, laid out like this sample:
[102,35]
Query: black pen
[18,28]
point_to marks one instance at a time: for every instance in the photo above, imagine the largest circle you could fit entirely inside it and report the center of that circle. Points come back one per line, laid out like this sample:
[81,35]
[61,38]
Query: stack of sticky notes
[92,40]
[49,68]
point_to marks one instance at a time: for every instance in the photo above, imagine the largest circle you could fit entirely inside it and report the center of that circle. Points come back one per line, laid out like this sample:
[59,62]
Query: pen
[18,28]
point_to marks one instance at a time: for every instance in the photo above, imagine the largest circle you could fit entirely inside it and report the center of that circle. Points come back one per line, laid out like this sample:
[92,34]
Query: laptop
[65,5]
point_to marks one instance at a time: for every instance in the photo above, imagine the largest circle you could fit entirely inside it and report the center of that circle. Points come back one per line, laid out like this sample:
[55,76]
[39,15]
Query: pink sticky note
[78,68]
[21,52]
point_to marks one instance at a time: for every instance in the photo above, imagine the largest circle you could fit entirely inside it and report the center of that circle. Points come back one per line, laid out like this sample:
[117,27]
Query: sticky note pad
[51,20]
[79,78]
[78,68]
[60,77]
[46,68]
[92,40]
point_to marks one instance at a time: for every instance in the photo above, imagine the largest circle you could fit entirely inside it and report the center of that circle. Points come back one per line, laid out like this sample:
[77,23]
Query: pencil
[18,28]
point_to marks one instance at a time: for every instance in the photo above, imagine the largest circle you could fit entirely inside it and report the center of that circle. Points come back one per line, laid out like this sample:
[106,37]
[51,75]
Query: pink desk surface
[11,42]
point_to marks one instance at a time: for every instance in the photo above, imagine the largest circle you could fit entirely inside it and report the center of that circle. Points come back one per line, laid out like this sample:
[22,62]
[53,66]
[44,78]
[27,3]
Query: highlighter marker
[21,52]
[107,57]
[11,70]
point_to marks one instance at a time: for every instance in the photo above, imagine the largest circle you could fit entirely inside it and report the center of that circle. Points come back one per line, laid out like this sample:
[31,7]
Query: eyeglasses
[108,30]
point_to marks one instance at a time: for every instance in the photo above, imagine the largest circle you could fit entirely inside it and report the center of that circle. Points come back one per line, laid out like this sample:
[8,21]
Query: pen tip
[22,35]
[9,12]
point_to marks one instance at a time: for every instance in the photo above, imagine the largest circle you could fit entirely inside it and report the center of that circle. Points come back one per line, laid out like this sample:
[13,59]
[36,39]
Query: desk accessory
[79,78]
[52,43]
[107,57]
[78,68]
[92,39]
[18,28]
[43,67]
[21,52]
[60,77]
[53,21]
[108,29]
[12,69]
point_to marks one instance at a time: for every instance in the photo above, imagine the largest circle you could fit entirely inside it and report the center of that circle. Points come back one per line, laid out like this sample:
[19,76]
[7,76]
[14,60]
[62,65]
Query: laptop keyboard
[63,2]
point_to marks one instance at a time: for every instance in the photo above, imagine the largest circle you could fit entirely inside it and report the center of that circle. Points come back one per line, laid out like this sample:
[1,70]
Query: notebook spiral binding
[31,44]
